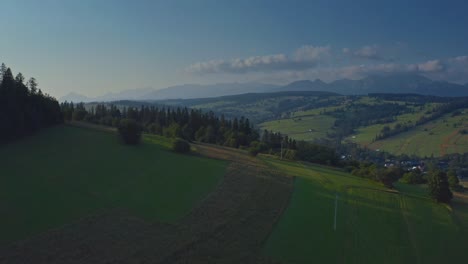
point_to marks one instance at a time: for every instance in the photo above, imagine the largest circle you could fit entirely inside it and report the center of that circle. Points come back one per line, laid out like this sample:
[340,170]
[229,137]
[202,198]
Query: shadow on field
[231,225]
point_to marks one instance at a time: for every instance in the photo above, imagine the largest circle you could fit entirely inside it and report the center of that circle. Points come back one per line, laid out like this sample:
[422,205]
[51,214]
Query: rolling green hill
[366,135]
[373,224]
[65,173]
[439,137]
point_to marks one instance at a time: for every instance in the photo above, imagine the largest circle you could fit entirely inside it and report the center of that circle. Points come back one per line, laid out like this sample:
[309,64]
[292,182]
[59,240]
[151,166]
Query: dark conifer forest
[24,109]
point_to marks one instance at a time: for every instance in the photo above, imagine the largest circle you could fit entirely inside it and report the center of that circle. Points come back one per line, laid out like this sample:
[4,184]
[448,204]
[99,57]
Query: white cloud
[305,57]
[311,62]
[460,59]
[451,69]
[368,52]
[311,53]
[431,66]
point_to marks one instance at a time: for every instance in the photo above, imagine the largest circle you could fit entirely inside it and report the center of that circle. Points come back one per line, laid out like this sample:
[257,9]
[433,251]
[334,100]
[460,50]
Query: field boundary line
[336,210]
[404,212]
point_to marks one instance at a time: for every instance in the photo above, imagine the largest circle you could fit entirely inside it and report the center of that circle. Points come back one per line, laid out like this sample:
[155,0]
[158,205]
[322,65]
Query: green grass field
[64,173]
[438,137]
[373,225]
[313,124]
[302,128]
[315,111]
[365,135]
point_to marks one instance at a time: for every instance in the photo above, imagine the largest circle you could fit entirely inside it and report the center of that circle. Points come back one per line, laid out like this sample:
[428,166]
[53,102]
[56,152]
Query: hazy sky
[98,46]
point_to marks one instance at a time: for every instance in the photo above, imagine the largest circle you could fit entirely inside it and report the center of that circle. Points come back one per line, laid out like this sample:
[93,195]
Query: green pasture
[64,173]
[302,128]
[315,111]
[439,137]
[365,135]
[373,225]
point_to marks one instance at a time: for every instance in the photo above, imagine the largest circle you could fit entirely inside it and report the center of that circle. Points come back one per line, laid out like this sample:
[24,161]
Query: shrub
[181,146]
[253,151]
[130,131]
[289,154]
[79,114]
[413,177]
[260,146]
[389,176]
[454,183]
[115,122]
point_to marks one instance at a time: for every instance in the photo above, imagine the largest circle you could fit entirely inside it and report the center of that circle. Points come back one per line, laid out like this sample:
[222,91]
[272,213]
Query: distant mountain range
[74,97]
[186,91]
[400,83]
[191,91]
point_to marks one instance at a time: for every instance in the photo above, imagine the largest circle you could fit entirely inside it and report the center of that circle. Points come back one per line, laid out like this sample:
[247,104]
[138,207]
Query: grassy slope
[437,137]
[373,226]
[440,137]
[365,135]
[298,127]
[64,173]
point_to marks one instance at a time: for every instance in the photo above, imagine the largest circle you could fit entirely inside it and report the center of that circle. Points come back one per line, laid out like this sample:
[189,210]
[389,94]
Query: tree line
[387,131]
[24,109]
[196,125]
[188,124]
[358,114]
[443,109]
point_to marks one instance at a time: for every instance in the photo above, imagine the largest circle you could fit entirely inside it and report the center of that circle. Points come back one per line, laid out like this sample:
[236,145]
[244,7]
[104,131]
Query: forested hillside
[24,109]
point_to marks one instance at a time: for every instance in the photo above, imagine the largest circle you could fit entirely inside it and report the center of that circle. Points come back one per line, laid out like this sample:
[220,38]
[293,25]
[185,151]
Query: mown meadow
[64,173]
[373,224]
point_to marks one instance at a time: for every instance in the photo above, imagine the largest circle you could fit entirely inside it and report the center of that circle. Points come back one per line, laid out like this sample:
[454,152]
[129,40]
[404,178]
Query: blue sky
[98,46]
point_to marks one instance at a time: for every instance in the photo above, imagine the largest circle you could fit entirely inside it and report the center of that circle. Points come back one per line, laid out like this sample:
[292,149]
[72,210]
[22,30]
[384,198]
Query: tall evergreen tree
[32,85]
[439,187]
[3,69]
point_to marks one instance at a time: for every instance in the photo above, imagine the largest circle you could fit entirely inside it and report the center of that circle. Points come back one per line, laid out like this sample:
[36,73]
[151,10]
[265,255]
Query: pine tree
[32,85]
[3,69]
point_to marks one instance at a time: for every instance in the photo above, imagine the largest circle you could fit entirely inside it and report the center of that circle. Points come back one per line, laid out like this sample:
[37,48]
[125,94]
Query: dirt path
[229,226]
